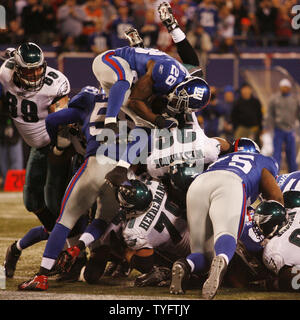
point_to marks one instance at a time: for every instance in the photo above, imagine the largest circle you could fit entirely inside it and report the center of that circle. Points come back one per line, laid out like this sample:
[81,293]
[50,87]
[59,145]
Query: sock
[225,245]
[93,231]
[33,236]
[197,261]
[177,35]
[56,241]
[187,53]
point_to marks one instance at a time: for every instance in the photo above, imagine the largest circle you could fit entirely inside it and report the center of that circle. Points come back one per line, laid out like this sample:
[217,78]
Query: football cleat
[11,259]
[181,272]
[166,16]
[155,277]
[216,273]
[134,38]
[67,258]
[38,283]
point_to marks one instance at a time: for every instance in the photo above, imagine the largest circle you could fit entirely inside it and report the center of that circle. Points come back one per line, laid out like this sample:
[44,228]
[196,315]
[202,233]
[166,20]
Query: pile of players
[180,215]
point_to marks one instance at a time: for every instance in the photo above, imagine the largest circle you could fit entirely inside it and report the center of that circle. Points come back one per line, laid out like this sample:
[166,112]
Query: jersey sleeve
[63,87]
[166,74]
[82,100]
[272,166]
[62,117]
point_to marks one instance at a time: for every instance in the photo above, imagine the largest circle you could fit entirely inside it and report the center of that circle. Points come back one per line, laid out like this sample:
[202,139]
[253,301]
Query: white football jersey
[284,249]
[174,145]
[161,227]
[30,109]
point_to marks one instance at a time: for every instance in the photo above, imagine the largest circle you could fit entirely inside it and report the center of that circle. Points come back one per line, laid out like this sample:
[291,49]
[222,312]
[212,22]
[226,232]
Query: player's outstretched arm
[269,187]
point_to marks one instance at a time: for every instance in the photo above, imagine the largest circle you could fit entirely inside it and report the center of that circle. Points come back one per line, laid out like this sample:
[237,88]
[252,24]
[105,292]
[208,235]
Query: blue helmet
[191,95]
[245,145]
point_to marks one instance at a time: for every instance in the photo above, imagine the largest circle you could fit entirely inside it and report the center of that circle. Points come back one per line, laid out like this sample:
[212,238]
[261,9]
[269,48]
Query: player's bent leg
[227,212]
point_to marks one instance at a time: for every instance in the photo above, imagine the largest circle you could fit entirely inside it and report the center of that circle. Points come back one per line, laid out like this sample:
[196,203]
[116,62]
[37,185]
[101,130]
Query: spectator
[212,115]
[226,23]
[207,15]
[228,101]
[283,113]
[283,26]
[246,115]
[150,29]
[139,11]
[109,12]
[201,41]
[189,8]
[11,151]
[93,12]
[119,26]
[266,18]
[32,20]
[240,12]
[49,23]
[99,41]
[70,17]
[15,35]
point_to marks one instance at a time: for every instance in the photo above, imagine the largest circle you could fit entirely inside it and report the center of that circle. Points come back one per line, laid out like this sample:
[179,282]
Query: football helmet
[245,145]
[191,95]
[270,217]
[291,199]
[183,174]
[30,66]
[135,197]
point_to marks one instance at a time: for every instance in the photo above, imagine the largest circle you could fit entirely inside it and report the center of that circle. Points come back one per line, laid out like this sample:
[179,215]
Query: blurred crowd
[96,25]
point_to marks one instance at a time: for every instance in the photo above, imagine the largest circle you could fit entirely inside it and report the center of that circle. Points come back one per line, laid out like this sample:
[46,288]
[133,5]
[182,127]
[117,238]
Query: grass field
[15,221]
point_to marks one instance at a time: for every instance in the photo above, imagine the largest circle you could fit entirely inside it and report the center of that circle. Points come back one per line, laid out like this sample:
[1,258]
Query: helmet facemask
[30,67]
[178,103]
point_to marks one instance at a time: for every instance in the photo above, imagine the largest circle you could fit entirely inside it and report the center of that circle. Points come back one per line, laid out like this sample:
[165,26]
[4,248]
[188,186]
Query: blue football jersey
[248,166]
[88,108]
[289,181]
[250,238]
[167,72]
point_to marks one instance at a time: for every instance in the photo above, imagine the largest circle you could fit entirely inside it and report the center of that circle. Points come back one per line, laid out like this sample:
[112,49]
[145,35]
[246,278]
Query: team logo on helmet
[189,96]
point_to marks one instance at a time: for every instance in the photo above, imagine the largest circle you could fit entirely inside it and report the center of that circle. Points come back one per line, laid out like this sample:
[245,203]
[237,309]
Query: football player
[216,219]
[87,108]
[153,230]
[281,253]
[31,90]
